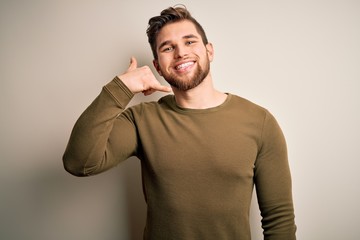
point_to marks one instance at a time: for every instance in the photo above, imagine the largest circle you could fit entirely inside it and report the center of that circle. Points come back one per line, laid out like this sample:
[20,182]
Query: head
[182,54]
[170,15]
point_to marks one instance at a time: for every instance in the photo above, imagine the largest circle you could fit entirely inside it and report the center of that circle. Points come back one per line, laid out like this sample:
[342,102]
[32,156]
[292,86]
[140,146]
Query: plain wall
[299,59]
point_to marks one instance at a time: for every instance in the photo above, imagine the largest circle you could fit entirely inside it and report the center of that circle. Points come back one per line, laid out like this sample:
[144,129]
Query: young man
[201,150]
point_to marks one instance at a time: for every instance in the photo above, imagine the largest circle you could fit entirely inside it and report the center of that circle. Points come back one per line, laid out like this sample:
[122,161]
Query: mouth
[184,66]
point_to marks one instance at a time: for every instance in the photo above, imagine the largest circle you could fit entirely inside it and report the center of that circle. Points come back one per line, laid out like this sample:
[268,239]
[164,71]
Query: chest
[179,146]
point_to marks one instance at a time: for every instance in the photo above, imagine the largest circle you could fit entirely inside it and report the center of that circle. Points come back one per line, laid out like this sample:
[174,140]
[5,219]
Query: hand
[141,79]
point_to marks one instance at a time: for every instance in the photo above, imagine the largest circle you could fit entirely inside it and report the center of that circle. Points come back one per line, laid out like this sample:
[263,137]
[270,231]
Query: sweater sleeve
[94,145]
[273,183]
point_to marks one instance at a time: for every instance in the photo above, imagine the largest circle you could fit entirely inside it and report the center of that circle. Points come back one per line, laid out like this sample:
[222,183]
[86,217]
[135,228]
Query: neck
[201,97]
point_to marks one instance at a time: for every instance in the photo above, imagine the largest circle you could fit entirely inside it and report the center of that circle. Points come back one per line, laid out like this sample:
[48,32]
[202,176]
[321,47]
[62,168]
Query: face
[183,59]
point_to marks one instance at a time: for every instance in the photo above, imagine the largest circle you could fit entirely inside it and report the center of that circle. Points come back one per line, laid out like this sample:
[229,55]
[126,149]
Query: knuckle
[146,68]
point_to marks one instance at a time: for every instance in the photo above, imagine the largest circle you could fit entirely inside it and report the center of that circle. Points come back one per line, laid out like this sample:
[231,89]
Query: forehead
[176,31]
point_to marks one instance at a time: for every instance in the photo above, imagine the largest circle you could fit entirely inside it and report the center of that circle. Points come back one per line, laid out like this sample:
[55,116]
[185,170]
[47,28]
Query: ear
[157,67]
[210,51]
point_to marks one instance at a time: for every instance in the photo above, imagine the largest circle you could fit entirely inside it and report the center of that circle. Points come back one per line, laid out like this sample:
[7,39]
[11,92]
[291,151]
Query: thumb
[133,64]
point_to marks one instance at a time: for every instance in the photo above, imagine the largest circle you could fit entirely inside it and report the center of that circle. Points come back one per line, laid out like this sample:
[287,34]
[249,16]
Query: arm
[273,184]
[102,136]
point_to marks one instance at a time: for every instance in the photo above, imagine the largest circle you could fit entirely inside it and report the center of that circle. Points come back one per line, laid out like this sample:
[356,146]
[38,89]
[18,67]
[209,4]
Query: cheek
[161,68]
[164,64]
[203,53]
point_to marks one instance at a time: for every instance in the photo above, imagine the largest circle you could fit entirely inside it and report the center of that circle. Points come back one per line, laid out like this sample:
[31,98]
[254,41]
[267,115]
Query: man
[201,150]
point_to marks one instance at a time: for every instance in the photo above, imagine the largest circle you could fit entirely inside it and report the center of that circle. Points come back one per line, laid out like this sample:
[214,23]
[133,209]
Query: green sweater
[199,166]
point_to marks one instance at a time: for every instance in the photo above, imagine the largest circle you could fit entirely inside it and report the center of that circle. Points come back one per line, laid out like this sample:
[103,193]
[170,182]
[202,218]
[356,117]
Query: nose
[181,51]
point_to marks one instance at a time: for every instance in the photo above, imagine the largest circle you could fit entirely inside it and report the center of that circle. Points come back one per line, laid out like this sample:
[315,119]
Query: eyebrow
[184,37]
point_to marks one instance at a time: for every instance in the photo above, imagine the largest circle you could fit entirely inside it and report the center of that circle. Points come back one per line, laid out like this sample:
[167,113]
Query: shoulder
[254,112]
[261,117]
[247,107]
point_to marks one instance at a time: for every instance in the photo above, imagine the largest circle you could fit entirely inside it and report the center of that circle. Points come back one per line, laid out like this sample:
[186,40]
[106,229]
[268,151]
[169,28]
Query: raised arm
[94,145]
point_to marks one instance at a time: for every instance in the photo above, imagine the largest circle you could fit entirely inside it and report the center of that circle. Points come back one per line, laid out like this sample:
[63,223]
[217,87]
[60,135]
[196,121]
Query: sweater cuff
[119,92]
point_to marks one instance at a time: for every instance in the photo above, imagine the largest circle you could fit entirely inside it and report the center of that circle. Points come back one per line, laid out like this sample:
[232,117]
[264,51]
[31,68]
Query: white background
[299,59]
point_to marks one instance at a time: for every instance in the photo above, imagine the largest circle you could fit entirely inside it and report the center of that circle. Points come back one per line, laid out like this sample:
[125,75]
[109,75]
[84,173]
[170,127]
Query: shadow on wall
[51,204]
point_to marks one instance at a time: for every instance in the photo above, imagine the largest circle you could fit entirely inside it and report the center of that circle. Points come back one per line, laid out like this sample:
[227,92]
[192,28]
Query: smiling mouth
[184,65]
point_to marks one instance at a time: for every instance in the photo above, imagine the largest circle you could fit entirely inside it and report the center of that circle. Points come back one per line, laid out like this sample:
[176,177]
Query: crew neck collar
[195,110]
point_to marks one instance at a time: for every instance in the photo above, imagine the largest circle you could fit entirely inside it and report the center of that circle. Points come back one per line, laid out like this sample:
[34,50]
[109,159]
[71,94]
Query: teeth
[184,65]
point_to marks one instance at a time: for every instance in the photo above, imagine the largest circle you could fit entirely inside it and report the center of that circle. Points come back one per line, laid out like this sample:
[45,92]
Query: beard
[186,83]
